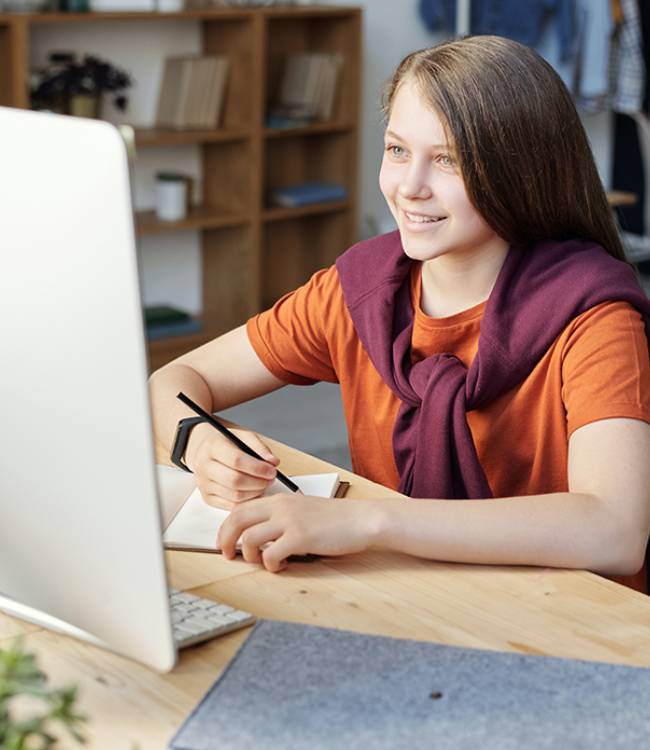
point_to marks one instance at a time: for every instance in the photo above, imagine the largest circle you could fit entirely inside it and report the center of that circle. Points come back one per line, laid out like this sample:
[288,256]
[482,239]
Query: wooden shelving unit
[251,254]
[199,217]
[160,137]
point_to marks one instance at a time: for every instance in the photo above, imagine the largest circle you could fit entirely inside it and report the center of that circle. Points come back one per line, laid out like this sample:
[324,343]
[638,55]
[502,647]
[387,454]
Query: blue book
[280,122]
[298,686]
[174,328]
[292,196]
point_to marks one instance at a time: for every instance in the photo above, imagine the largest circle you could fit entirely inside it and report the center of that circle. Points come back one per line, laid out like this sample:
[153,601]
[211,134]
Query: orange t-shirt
[597,368]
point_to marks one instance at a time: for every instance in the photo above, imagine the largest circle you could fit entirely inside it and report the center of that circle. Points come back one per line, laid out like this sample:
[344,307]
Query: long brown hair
[523,152]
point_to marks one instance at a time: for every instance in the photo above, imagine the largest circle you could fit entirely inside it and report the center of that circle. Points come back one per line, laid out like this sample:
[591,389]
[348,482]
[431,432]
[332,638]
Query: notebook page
[196,524]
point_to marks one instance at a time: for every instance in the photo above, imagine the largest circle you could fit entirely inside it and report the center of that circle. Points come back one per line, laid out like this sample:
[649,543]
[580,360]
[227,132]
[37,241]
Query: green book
[159,314]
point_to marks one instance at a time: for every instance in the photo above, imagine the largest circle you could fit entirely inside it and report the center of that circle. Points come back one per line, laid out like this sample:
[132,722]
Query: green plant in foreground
[20,676]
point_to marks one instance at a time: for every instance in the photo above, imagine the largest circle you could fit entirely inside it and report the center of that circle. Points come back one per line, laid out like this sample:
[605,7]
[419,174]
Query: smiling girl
[491,352]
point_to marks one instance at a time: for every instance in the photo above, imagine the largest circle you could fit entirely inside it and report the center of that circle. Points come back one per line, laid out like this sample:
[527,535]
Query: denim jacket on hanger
[514,19]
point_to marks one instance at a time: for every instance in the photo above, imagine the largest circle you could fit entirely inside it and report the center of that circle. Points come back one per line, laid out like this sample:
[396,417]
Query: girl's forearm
[564,529]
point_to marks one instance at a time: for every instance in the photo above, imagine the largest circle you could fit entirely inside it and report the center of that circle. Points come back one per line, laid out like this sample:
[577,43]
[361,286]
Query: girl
[492,352]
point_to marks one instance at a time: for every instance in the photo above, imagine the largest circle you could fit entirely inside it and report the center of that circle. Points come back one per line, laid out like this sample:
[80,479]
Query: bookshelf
[251,253]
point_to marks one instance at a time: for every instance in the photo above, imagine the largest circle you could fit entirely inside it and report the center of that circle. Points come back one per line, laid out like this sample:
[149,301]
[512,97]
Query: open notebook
[192,524]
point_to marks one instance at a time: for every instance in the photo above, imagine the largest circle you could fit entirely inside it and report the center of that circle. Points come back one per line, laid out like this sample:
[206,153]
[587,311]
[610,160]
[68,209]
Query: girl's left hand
[274,527]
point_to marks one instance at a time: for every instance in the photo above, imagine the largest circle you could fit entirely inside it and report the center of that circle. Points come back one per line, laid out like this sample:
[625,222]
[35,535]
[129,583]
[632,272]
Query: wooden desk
[528,610]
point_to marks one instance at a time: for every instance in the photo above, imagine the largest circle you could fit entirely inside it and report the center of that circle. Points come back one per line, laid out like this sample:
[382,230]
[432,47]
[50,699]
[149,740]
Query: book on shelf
[279,119]
[161,314]
[192,92]
[326,92]
[292,196]
[308,88]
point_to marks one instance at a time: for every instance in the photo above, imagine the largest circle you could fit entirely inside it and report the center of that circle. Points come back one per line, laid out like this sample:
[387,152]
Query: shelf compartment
[322,157]
[230,291]
[199,217]
[282,214]
[293,34]
[168,137]
[293,250]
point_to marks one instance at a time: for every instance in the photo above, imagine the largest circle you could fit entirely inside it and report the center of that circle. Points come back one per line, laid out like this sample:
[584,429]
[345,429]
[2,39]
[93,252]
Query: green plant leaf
[20,676]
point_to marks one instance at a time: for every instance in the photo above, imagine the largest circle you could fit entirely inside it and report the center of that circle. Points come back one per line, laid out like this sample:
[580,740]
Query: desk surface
[528,610]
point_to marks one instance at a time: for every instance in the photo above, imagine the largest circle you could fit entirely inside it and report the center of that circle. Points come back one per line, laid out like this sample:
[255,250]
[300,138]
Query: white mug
[172,196]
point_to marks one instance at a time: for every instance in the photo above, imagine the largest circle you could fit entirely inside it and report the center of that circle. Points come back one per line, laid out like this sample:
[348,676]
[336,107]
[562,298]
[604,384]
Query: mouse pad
[298,686]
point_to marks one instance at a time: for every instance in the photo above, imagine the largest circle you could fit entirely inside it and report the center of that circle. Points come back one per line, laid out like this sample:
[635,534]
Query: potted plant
[76,87]
[22,680]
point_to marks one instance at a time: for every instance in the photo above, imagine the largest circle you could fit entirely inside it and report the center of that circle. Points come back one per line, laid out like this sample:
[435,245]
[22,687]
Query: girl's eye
[445,160]
[397,151]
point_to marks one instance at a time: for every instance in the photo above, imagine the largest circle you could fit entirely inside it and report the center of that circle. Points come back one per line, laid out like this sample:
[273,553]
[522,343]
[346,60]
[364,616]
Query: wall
[170,263]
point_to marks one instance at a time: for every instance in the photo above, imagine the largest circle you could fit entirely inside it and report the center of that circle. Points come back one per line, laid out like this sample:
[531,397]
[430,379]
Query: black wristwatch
[185,427]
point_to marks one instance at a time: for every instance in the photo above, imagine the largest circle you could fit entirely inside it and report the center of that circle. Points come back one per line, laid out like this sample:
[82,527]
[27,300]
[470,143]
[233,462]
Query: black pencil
[234,439]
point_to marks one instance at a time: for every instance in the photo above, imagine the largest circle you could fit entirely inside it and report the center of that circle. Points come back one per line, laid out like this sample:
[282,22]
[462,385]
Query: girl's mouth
[421,218]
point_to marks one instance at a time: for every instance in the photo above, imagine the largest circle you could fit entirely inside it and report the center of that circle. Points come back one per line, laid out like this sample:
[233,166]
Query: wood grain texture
[145,137]
[540,611]
[10,628]
[14,66]
[198,217]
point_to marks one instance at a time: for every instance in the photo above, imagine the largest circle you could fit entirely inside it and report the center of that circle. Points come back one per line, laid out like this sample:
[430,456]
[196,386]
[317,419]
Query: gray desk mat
[298,686]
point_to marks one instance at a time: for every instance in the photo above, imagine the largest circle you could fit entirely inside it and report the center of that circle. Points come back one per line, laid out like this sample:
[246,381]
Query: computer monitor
[80,526]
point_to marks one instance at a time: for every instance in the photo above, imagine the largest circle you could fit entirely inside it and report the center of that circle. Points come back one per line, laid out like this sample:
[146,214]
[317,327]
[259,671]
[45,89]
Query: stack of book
[306,193]
[307,90]
[162,321]
[192,92]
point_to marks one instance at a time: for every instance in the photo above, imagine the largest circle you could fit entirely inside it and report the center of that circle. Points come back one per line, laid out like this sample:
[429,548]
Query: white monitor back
[80,533]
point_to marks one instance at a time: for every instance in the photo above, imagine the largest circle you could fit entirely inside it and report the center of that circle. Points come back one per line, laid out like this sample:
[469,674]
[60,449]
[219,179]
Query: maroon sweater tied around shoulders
[540,289]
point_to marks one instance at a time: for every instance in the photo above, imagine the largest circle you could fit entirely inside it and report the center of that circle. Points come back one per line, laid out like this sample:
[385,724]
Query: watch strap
[185,427]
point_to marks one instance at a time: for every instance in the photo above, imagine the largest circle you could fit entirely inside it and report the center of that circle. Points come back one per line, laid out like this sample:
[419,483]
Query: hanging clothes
[522,22]
[586,72]
[630,170]
[595,28]
[627,68]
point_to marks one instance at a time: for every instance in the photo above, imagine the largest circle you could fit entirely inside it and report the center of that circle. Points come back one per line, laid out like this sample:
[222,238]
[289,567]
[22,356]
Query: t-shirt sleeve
[606,366]
[291,337]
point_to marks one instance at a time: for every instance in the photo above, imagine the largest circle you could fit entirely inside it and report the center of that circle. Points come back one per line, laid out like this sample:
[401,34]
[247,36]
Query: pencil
[234,439]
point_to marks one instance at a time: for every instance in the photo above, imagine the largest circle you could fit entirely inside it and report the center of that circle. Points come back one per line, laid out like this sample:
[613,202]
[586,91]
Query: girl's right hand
[225,475]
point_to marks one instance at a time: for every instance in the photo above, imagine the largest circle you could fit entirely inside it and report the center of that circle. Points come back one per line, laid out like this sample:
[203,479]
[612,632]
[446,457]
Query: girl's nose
[414,183]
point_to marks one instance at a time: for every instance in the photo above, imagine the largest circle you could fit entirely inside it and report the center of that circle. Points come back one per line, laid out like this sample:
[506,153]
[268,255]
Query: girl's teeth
[421,219]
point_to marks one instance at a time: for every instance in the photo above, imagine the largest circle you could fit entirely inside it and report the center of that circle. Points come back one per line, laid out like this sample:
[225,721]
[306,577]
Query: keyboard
[195,619]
